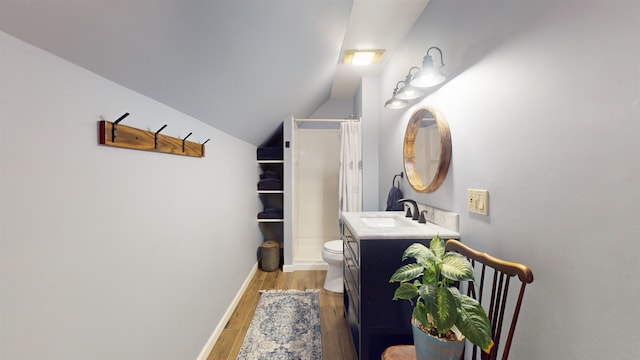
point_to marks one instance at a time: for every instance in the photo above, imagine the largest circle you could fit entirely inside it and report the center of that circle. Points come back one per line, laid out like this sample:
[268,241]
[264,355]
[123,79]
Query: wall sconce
[429,76]
[395,103]
[409,92]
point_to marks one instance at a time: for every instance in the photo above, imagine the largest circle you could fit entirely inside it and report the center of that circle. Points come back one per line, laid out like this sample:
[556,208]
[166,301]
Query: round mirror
[427,150]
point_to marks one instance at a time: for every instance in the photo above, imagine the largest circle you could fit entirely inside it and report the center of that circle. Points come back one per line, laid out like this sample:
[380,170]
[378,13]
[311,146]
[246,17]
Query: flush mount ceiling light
[429,75]
[409,92]
[362,57]
[394,102]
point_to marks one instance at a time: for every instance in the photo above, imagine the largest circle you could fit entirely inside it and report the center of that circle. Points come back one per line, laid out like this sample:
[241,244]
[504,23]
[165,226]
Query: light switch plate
[478,201]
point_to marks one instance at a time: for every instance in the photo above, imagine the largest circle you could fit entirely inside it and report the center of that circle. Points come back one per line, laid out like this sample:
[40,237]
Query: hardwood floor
[336,339]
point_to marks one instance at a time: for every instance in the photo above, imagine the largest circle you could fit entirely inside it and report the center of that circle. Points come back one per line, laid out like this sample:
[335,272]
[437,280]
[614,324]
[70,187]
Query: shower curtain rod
[325,120]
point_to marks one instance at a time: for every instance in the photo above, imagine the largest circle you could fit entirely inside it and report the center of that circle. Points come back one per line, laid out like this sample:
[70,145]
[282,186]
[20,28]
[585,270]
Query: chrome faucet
[415,208]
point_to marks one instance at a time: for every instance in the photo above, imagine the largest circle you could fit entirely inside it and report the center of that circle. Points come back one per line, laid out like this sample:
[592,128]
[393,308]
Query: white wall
[111,253]
[543,101]
[334,109]
[370,151]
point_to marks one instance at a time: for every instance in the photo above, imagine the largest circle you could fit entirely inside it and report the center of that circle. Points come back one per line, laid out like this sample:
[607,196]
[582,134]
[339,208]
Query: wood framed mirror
[426,150]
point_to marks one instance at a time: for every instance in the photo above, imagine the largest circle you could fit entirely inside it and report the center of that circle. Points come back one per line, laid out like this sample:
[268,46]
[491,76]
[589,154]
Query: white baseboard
[301,265]
[227,315]
[288,268]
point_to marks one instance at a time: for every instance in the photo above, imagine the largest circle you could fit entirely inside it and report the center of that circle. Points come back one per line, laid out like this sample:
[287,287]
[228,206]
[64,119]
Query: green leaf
[405,291]
[406,273]
[420,314]
[431,273]
[473,323]
[437,246]
[443,309]
[416,251]
[428,294]
[456,295]
[456,267]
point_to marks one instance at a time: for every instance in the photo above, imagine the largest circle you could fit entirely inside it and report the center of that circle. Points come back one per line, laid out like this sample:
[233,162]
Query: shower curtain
[350,179]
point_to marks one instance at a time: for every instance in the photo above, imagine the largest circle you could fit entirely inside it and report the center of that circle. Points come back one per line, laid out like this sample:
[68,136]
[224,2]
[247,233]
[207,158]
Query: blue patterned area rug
[285,326]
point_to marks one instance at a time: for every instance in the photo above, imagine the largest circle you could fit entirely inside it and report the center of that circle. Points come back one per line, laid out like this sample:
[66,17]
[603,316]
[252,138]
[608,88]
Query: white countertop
[393,225]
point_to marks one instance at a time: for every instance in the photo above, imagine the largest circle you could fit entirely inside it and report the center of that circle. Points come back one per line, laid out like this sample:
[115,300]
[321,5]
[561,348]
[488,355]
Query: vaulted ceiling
[241,66]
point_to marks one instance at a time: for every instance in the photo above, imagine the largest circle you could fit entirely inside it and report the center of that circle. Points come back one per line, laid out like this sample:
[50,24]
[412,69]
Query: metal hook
[202,146]
[183,140]
[114,128]
[393,183]
[156,135]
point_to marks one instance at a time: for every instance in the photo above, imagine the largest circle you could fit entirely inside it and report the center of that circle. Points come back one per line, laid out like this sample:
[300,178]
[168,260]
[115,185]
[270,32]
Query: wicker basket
[270,254]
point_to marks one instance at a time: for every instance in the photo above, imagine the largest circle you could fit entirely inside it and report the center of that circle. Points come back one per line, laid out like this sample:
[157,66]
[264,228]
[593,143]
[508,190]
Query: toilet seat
[333,247]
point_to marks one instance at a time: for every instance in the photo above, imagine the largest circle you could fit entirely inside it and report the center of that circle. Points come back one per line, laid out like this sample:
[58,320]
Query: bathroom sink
[380,221]
[386,219]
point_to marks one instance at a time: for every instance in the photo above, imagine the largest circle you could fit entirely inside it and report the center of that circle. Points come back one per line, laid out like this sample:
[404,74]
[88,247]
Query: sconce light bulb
[409,94]
[394,103]
[428,79]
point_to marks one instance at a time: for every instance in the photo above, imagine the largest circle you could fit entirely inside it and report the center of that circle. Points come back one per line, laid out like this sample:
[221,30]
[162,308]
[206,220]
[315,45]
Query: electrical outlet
[478,201]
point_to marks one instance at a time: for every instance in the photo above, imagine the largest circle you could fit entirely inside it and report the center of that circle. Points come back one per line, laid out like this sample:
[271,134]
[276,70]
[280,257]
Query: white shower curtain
[350,180]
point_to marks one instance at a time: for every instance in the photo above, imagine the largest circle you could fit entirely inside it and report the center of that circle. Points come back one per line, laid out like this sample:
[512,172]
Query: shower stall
[312,178]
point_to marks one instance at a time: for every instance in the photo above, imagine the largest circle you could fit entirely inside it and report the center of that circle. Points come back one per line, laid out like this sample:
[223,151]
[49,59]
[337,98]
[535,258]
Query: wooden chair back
[491,289]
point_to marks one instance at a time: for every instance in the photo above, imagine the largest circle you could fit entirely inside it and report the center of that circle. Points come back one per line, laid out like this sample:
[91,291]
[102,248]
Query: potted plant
[441,314]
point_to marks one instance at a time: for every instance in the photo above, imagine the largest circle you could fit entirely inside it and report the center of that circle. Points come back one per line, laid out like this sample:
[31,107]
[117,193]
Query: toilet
[332,255]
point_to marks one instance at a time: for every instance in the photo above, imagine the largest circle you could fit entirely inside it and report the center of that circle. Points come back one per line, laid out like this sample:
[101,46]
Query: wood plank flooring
[336,339]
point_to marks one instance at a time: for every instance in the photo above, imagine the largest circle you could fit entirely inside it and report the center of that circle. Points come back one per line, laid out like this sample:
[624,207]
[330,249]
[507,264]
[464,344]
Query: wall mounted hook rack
[115,134]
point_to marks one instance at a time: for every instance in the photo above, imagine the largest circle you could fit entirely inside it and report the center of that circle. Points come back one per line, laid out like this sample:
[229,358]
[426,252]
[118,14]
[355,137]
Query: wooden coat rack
[113,134]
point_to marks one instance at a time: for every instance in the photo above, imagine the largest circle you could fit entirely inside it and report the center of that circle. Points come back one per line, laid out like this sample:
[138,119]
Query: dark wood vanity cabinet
[375,320]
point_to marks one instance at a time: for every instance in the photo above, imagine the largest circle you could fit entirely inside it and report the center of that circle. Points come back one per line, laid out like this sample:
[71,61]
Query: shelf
[270,188]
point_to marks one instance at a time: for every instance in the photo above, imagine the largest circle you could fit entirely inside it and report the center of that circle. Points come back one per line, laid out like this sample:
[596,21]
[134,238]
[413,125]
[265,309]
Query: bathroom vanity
[373,246]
